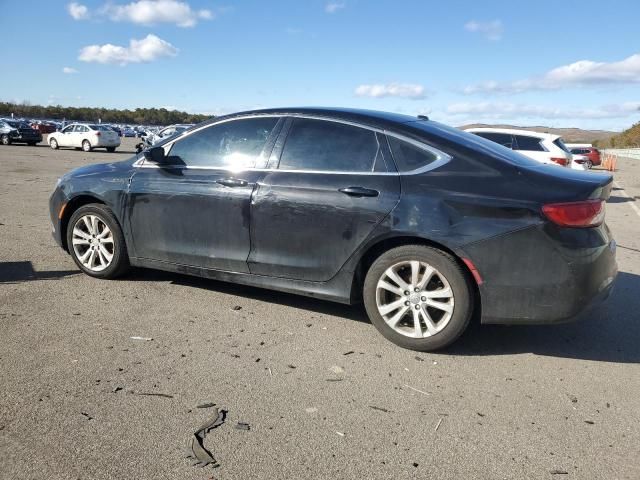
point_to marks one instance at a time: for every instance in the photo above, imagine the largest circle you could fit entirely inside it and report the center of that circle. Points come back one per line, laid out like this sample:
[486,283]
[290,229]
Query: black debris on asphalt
[206,405]
[242,426]
[380,409]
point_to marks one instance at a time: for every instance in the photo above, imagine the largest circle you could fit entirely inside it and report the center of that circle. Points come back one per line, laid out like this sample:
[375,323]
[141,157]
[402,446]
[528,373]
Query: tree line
[139,116]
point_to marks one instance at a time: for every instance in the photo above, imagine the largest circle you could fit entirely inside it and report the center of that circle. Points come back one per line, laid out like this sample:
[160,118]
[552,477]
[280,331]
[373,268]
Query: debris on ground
[590,422]
[348,353]
[419,359]
[380,409]
[340,433]
[117,389]
[151,394]
[143,339]
[242,426]
[311,410]
[237,307]
[86,415]
[573,398]
[416,390]
[559,472]
[206,405]
[195,449]
[336,369]
[438,425]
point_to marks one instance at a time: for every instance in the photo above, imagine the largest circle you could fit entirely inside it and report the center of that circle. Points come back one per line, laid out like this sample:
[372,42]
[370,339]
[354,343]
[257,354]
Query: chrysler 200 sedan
[425,224]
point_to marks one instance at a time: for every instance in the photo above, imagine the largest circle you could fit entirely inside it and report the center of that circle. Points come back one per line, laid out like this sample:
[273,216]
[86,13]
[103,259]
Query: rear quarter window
[409,157]
[530,144]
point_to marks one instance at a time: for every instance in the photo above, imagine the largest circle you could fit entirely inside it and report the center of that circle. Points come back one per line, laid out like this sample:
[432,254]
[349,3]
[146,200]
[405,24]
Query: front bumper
[544,274]
[56,202]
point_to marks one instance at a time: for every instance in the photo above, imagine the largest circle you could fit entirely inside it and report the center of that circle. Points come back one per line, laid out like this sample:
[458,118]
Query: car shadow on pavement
[351,312]
[18,272]
[608,333]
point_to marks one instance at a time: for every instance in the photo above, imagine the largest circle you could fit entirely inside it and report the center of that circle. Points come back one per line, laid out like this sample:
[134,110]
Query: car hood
[101,168]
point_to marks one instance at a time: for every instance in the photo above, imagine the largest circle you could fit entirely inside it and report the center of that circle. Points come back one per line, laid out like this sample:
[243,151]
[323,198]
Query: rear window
[102,128]
[530,144]
[409,157]
[560,144]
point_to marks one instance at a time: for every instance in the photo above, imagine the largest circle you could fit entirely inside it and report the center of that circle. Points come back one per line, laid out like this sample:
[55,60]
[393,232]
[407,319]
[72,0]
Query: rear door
[330,188]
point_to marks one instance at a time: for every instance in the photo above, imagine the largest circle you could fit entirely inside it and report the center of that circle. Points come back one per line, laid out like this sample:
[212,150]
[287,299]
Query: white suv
[542,147]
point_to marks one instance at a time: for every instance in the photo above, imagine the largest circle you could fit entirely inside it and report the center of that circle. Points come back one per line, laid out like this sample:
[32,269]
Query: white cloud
[582,73]
[333,7]
[502,110]
[492,30]
[69,70]
[150,12]
[78,11]
[147,49]
[406,90]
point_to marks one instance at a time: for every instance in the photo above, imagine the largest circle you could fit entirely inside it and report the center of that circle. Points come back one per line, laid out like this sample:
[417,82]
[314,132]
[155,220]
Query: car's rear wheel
[5,140]
[53,143]
[86,146]
[111,149]
[418,297]
[589,164]
[96,242]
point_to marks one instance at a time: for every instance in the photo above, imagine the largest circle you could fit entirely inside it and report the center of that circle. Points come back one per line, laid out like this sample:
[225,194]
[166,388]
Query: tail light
[560,161]
[587,213]
[97,134]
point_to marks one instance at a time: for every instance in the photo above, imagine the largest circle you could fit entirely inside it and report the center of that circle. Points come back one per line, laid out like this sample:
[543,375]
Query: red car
[592,153]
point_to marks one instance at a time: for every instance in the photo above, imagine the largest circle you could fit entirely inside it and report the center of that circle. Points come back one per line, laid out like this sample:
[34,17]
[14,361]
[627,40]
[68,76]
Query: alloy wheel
[93,243]
[414,299]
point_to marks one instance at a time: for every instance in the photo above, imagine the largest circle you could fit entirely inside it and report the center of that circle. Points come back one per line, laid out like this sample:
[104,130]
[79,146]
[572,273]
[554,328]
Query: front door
[195,209]
[66,137]
[331,189]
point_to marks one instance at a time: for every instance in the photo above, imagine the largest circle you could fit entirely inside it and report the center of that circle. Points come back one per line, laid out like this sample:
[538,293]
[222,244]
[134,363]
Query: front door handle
[359,192]
[232,182]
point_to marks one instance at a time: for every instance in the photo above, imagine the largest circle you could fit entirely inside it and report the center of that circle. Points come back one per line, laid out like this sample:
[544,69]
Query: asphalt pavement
[324,395]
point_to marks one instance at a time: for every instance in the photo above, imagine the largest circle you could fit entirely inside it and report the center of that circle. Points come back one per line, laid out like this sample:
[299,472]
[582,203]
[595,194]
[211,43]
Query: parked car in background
[15,131]
[86,136]
[162,135]
[116,129]
[592,154]
[128,132]
[424,223]
[541,147]
[43,127]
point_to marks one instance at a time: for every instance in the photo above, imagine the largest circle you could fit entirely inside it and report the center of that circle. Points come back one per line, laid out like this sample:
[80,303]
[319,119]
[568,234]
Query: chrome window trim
[441,157]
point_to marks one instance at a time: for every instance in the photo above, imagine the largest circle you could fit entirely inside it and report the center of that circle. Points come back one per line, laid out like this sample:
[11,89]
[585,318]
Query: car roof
[513,131]
[368,117]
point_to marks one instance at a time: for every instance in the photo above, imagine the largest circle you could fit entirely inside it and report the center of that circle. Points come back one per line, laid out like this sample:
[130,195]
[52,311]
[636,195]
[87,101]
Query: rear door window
[329,146]
[560,144]
[503,139]
[235,144]
[525,142]
[409,157]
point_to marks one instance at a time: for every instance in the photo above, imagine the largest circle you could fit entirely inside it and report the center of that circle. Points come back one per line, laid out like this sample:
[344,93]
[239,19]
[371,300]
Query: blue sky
[555,63]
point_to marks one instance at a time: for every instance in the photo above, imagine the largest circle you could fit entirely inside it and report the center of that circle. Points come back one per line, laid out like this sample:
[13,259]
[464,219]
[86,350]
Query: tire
[32,144]
[53,143]
[97,264]
[86,146]
[589,164]
[111,149]
[444,327]
[5,140]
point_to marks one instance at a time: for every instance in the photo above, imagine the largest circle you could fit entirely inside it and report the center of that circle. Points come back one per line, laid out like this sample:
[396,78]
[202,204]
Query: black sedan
[426,224]
[13,131]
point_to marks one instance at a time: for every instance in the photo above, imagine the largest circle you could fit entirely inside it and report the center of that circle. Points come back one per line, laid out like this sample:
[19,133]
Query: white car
[86,136]
[542,147]
[580,162]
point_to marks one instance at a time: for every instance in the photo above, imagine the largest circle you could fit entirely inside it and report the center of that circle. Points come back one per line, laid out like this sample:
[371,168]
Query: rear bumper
[544,274]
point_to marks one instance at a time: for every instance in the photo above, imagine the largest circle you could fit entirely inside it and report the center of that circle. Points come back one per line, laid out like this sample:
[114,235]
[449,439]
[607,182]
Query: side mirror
[154,154]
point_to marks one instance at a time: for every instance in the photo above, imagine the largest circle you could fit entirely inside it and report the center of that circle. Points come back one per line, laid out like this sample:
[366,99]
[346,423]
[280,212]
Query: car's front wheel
[111,149]
[418,297]
[96,242]
[53,143]
[5,140]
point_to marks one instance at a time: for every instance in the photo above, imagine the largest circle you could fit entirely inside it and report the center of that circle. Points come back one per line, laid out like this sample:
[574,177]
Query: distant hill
[629,138]
[569,135]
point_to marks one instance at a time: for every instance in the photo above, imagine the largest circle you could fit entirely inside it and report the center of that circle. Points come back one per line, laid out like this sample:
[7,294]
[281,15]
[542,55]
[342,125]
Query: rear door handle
[232,182]
[359,192]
